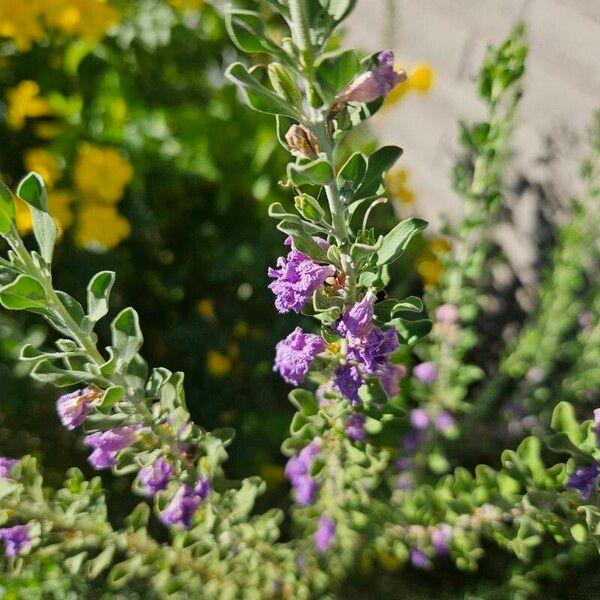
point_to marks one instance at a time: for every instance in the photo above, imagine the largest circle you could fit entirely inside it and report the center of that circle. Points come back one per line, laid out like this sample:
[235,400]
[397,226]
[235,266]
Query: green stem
[300,29]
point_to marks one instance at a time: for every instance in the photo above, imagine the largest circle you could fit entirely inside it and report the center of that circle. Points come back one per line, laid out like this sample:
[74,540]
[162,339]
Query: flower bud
[374,84]
[302,142]
[283,84]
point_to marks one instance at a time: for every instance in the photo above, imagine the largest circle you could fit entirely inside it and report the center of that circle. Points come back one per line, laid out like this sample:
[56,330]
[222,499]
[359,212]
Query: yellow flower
[388,561]
[101,174]
[206,308]
[101,225]
[20,21]
[89,19]
[430,266]
[273,475]
[421,77]
[43,162]
[23,217]
[217,364]
[25,101]
[398,187]
[59,205]
[187,4]
[47,131]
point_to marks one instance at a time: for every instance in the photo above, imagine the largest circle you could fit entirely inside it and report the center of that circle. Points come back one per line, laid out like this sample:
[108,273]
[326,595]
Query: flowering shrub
[387,397]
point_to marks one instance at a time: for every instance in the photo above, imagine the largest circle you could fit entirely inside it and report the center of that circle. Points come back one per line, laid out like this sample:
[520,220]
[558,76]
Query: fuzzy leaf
[397,240]
[98,294]
[32,190]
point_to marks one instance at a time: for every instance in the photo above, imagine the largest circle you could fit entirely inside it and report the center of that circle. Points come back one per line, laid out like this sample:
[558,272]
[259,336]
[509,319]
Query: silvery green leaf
[335,70]
[127,336]
[7,208]
[314,172]
[378,164]
[33,192]
[23,293]
[98,294]
[397,240]
[257,95]
[47,372]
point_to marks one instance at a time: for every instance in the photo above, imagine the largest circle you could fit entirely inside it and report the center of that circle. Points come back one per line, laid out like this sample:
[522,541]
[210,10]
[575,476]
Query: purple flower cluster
[441,537]
[294,355]
[584,480]
[296,279]
[355,427]
[183,505]
[419,559]
[6,465]
[369,347]
[15,539]
[73,408]
[447,314]
[155,477]
[420,420]
[426,372]
[374,84]
[324,534]
[107,444]
[297,471]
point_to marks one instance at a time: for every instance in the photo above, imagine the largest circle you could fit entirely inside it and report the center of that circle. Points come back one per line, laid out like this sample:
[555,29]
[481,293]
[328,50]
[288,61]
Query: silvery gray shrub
[384,394]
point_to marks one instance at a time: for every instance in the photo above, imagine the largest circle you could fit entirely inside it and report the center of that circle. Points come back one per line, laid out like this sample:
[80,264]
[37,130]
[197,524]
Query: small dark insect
[381,296]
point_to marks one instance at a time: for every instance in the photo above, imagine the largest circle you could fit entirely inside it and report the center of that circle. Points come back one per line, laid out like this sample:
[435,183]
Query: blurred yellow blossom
[89,19]
[59,205]
[420,79]
[273,475]
[217,364]
[25,101]
[430,266]
[388,561]
[46,130]
[398,186]
[206,308]
[20,21]
[43,162]
[187,4]
[101,174]
[101,225]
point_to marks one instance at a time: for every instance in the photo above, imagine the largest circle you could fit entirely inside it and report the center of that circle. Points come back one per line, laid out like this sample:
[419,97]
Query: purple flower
[155,477]
[584,480]
[107,444]
[412,440]
[390,376]
[419,559]
[440,538]
[374,84]
[297,471]
[73,408]
[324,534]
[419,418]
[405,482]
[356,324]
[444,421]
[447,314]
[426,372]
[296,279]
[306,488]
[348,381]
[202,488]
[294,355]
[597,425]
[372,352]
[182,507]
[15,539]
[355,427]
[6,465]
